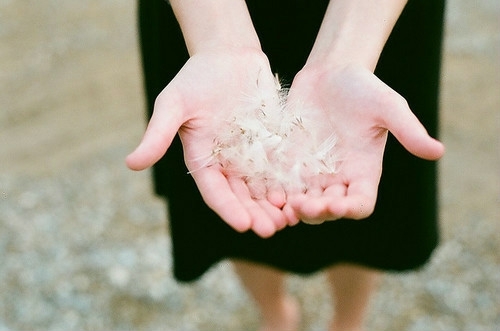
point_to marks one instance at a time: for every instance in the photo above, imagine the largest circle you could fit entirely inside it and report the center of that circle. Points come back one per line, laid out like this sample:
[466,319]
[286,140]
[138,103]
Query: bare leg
[352,288]
[279,311]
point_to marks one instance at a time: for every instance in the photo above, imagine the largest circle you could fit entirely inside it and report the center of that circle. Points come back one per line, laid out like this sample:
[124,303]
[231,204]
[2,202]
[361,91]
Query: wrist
[215,24]
[354,32]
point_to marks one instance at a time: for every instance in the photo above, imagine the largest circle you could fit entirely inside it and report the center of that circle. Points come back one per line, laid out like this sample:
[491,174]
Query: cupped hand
[362,109]
[211,86]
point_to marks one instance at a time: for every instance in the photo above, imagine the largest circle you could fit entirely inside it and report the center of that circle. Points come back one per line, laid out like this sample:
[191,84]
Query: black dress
[403,231]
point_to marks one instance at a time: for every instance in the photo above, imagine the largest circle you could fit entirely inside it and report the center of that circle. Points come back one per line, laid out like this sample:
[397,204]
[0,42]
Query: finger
[218,195]
[354,207]
[314,207]
[408,130]
[276,195]
[312,210]
[275,214]
[313,221]
[338,189]
[354,201]
[261,223]
[270,200]
[327,189]
[316,185]
[162,128]
[290,214]
[359,199]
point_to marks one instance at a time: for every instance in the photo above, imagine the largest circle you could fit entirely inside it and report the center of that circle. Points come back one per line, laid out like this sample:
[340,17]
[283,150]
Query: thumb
[408,130]
[166,120]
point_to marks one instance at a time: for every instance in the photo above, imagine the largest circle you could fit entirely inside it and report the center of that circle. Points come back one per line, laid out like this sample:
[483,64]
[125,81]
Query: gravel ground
[83,241]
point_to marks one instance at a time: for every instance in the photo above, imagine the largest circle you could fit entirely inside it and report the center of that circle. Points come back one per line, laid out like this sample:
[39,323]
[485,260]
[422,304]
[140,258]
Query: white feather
[269,143]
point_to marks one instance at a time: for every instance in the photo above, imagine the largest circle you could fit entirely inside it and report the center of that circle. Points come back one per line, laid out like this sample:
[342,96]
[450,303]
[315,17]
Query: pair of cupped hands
[364,110]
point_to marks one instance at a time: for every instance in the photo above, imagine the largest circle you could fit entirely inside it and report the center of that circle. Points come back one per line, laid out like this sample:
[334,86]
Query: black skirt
[402,232]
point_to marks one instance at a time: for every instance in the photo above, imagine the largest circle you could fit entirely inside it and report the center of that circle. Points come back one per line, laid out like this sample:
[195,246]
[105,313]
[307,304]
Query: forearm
[355,32]
[212,24]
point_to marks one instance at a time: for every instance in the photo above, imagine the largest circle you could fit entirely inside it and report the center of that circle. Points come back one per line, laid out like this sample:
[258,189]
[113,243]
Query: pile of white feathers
[271,143]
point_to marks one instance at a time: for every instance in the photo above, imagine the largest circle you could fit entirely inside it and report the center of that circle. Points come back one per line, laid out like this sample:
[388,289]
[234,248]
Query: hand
[362,109]
[212,85]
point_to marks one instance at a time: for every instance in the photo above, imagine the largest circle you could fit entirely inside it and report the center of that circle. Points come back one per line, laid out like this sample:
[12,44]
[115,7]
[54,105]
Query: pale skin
[226,55]
[338,80]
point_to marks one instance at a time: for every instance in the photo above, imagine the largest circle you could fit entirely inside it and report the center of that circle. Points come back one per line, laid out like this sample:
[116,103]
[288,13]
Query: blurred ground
[83,244]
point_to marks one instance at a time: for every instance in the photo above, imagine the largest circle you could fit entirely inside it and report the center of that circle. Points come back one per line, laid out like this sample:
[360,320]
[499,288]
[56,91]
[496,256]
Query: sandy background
[83,242]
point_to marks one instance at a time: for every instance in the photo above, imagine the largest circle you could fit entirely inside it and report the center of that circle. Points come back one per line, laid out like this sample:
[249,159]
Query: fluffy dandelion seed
[269,142]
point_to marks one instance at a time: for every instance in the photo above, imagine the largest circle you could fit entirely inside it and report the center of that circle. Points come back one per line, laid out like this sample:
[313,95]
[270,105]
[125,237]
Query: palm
[362,109]
[210,86]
